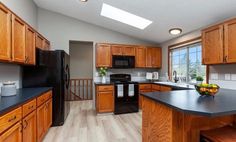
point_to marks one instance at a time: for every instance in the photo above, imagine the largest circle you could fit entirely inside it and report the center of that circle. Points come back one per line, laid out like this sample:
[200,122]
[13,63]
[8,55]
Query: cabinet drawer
[106,88]
[9,119]
[145,86]
[156,87]
[29,107]
[42,99]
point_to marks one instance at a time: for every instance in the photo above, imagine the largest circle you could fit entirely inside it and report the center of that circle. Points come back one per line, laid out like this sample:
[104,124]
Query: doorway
[81,70]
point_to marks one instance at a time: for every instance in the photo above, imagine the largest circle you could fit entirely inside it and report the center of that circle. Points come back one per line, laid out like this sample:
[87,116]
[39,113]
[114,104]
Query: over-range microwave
[123,62]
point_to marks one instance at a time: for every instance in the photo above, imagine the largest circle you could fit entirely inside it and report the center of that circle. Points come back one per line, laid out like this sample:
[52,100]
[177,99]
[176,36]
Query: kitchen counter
[189,101]
[23,95]
[107,83]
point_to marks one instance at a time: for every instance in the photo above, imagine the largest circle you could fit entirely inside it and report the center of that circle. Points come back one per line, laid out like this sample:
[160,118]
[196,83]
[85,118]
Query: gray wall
[81,59]
[27,10]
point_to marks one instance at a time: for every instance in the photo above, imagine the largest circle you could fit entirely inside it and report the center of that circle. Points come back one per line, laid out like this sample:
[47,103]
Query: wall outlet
[227,77]
[214,76]
[233,77]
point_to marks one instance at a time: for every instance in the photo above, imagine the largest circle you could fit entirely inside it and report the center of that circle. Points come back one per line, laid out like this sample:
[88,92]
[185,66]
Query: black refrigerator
[52,70]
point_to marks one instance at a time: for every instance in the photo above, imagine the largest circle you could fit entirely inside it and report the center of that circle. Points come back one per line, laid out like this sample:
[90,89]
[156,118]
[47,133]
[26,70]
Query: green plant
[199,78]
[102,71]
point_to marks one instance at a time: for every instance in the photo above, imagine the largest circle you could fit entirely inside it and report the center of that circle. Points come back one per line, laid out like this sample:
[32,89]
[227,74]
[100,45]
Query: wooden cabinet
[14,134]
[218,43]
[30,46]
[103,55]
[156,88]
[122,50]
[165,89]
[18,40]
[46,45]
[143,88]
[140,57]
[105,98]
[153,57]
[39,42]
[48,114]
[40,122]
[5,34]
[229,41]
[29,128]
[212,43]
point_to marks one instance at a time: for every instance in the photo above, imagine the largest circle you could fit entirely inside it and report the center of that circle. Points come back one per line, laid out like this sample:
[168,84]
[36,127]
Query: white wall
[27,10]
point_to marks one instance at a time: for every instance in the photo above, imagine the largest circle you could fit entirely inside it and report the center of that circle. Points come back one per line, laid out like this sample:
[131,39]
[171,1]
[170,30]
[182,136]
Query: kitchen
[168,43]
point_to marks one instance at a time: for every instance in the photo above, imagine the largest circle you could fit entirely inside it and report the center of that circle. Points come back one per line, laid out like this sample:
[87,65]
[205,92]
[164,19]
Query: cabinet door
[5,34]
[230,42]
[39,42]
[103,55]
[149,57]
[46,45]
[165,88]
[128,51]
[106,101]
[40,122]
[156,57]
[14,134]
[212,45]
[30,46]
[18,39]
[140,57]
[48,114]
[141,97]
[29,128]
[116,49]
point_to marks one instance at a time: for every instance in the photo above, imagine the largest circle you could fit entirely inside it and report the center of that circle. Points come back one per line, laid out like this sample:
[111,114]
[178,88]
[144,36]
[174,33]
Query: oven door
[123,62]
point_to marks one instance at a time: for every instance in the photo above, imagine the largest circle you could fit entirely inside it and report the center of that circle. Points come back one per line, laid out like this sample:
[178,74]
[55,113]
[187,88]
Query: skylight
[124,17]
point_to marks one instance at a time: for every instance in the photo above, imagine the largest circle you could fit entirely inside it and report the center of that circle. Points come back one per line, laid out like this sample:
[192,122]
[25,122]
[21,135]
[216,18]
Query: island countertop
[23,95]
[189,101]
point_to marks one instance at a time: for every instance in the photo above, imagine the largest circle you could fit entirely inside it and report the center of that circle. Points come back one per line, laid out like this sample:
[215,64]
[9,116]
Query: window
[187,62]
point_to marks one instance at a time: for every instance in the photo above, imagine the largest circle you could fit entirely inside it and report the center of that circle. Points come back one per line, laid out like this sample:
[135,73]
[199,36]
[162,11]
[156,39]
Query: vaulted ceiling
[189,15]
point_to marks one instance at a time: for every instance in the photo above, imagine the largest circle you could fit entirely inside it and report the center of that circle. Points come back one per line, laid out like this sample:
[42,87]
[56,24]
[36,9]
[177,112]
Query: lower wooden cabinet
[105,98]
[143,88]
[27,123]
[14,134]
[29,127]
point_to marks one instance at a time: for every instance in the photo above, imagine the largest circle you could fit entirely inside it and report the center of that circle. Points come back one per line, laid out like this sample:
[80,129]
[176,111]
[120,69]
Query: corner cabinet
[218,43]
[104,98]
[103,55]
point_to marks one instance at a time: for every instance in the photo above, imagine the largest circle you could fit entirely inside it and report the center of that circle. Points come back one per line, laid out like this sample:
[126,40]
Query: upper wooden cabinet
[212,43]
[17,39]
[124,50]
[5,34]
[140,57]
[103,55]
[218,43]
[229,41]
[153,57]
[30,46]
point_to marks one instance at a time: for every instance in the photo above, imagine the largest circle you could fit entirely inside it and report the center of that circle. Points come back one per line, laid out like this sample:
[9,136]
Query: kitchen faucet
[175,77]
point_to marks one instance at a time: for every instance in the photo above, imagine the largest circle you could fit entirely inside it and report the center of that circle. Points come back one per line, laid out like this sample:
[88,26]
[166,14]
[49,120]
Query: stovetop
[125,82]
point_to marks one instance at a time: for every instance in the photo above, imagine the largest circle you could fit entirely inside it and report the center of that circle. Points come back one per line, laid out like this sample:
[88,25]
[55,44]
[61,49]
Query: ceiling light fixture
[124,17]
[83,0]
[175,31]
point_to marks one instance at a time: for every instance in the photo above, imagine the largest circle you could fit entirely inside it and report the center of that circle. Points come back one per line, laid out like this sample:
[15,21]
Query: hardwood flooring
[83,125]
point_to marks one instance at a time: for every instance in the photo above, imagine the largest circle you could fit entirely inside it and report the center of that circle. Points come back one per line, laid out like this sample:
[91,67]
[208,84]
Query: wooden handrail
[81,89]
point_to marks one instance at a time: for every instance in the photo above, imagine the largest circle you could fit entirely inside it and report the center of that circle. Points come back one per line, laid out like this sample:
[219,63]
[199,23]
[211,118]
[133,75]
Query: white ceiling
[189,15]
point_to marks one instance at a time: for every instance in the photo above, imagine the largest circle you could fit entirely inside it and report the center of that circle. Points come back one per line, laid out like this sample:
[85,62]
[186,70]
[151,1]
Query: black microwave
[123,62]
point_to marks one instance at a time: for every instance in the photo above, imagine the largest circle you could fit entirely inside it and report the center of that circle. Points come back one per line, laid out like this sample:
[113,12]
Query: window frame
[183,45]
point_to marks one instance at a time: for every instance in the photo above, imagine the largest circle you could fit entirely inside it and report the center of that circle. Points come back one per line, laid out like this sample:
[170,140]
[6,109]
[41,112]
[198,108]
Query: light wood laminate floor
[83,125]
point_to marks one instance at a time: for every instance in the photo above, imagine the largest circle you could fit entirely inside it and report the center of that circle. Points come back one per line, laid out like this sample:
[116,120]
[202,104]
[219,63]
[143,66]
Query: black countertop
[189,101]
[23,95]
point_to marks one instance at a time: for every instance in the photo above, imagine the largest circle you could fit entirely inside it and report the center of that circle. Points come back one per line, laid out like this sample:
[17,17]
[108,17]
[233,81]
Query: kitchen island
[179,116]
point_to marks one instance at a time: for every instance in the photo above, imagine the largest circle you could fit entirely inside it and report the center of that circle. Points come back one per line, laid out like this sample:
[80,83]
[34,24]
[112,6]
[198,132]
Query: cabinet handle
[226,58]
[12,119]
[26,124]
[30,107]
[26,59]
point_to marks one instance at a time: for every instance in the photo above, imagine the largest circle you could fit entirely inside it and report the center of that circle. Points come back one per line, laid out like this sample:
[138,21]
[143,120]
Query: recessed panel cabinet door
[116,49]
[149,57]
[106,101]
[13,134]
[156,57]
[129,51]
[5,34]
[140,57]
[48,114]
[18,40]
[230,41]
[103,55]
[212,45]
[39,42]
[29,128]
[40,122]
[30,46]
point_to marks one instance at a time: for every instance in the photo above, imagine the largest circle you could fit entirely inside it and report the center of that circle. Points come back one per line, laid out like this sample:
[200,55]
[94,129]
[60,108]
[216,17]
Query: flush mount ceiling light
[83,0]
[175,31]
[124,17]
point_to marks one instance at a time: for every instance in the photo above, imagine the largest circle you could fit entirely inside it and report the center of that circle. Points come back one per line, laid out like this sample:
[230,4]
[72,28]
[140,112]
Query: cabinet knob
[12,119]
